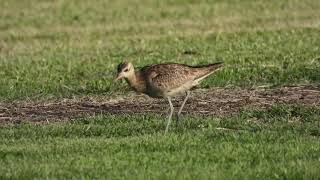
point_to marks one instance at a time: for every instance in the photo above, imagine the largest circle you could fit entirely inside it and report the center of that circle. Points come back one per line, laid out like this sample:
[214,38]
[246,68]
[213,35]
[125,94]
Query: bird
[166,80]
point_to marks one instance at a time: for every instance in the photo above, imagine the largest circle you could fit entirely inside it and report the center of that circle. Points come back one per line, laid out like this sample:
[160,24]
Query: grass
[69,48]
[52,49]
[282,143]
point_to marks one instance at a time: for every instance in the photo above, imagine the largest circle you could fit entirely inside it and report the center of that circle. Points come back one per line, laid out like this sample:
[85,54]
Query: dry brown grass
[214,102]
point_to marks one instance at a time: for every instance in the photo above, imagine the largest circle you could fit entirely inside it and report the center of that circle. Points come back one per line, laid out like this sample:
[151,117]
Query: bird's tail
[210,67]
[205,70]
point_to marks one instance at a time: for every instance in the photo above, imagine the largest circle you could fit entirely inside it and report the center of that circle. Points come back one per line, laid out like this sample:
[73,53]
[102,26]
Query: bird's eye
[126,70]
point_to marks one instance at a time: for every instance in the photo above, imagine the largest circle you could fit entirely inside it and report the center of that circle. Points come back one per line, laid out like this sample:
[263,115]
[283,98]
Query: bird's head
[124,70]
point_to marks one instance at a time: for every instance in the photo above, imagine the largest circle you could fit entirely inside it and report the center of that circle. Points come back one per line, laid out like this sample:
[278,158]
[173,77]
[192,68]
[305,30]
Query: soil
[216,102]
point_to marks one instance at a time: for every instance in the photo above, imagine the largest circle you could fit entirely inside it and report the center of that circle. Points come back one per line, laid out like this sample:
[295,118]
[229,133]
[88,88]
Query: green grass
[282,142]
[69,48]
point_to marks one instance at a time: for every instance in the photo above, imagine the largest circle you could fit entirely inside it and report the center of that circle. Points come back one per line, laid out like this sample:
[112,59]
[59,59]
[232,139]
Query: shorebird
[165,80]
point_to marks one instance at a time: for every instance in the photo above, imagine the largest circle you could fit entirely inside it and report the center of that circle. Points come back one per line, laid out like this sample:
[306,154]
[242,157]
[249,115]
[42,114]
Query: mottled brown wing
[169,76]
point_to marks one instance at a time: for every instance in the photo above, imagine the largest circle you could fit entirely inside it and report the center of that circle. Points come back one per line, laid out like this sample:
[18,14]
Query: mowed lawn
[69,49]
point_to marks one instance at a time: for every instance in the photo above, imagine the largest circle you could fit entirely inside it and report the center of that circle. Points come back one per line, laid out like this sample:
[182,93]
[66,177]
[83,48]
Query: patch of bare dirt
[217,102]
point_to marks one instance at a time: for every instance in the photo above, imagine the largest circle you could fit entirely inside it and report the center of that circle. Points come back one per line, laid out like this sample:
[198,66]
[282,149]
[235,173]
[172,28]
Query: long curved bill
[117,78]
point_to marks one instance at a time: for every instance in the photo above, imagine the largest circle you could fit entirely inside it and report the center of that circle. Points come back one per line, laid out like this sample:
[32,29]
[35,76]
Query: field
[62,116]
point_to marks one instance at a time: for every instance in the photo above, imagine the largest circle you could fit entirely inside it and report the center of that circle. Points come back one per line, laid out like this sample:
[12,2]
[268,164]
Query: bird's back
[171,78]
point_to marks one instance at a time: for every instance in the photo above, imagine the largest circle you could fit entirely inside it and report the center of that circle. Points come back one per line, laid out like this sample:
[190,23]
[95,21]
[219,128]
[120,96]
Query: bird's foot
[178,121]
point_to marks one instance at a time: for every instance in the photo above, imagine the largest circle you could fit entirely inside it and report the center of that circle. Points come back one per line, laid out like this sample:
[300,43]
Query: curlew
[165,80]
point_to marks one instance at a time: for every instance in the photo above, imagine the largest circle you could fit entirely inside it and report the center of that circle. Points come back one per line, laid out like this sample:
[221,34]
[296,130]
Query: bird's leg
[168,112]
[170,115]
[183,103]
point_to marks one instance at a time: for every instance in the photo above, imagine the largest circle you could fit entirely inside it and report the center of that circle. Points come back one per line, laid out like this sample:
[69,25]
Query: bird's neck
[137,82]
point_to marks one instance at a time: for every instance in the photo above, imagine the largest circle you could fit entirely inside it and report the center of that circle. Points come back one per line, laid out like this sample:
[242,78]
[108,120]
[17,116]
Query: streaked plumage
[165,80]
